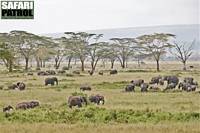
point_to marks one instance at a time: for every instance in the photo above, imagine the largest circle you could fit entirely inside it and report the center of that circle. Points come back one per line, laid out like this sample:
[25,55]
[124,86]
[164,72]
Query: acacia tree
[155,44]
[41,55]
[27,44]
[7,51]
[183,52]
[96,51]
[67,45]
[124,49]
[80,43]
[110,53]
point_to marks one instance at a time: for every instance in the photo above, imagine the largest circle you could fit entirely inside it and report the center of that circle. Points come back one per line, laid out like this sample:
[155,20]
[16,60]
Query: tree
[96,51]
[124,48]
[27,44]
[67,45]
[7,51]
[110,52]
[155,44]
[183,52]
[41,55]
[80,43]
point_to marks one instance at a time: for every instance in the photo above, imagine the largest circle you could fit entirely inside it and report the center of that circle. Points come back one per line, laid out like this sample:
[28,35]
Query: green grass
[154,112]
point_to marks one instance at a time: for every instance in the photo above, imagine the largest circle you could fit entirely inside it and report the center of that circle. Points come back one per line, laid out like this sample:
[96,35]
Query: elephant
[101,73]
[42,73]
[76,101]
[144,87]
[91,72]
[113,72]
[85,88]
[137,82]
[171,86]
[21,86]
[30,74]
[130,88]
[188,80]
[192,88]
[51,72]
[161,81]
[187,87]
[97,99]
[61,71]
[8,109]
[12,87]
[76,72]
[27,105]
[51,81]
[155,80]
[171,79]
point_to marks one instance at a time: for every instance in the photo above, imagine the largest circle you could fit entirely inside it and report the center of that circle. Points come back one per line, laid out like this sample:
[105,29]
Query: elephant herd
[22,105]
[188,84]
[170,82]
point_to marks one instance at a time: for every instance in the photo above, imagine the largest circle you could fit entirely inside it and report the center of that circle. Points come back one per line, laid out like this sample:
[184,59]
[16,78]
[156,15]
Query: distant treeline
[82,47]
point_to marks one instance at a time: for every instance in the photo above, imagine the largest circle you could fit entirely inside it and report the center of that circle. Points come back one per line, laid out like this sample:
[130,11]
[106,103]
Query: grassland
[152,112]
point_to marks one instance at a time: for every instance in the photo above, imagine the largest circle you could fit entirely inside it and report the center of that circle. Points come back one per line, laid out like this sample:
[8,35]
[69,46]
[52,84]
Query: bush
[93,114]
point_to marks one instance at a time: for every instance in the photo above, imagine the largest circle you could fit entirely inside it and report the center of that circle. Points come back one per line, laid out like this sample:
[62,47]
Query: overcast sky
[76,15]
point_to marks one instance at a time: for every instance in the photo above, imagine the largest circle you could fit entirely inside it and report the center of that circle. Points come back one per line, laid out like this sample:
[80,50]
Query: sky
[53,16]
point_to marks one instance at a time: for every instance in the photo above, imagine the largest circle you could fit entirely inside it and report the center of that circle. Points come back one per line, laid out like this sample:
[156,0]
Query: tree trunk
[37,62]
[126,64]
[56,63]
[82,65]
[69,62]
[43,65]
[184,66]
[94,64]
[10,65]
[123,64]
[103,63]
[138,62]
[158,65]
[26,60]
[112,64]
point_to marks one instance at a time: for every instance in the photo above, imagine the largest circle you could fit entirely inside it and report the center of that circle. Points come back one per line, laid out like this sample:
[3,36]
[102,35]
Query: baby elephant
[137,82]
[12,87]
[7,109]
[97,99]
[144,87]
[51,81]
[76,101]
[113,72]
[21,86]
[85,88]
[130,88]
[101,73]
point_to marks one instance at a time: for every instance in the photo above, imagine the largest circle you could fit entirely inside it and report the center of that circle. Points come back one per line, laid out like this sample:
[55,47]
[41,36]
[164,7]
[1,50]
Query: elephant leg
[103,102]
[80,105]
